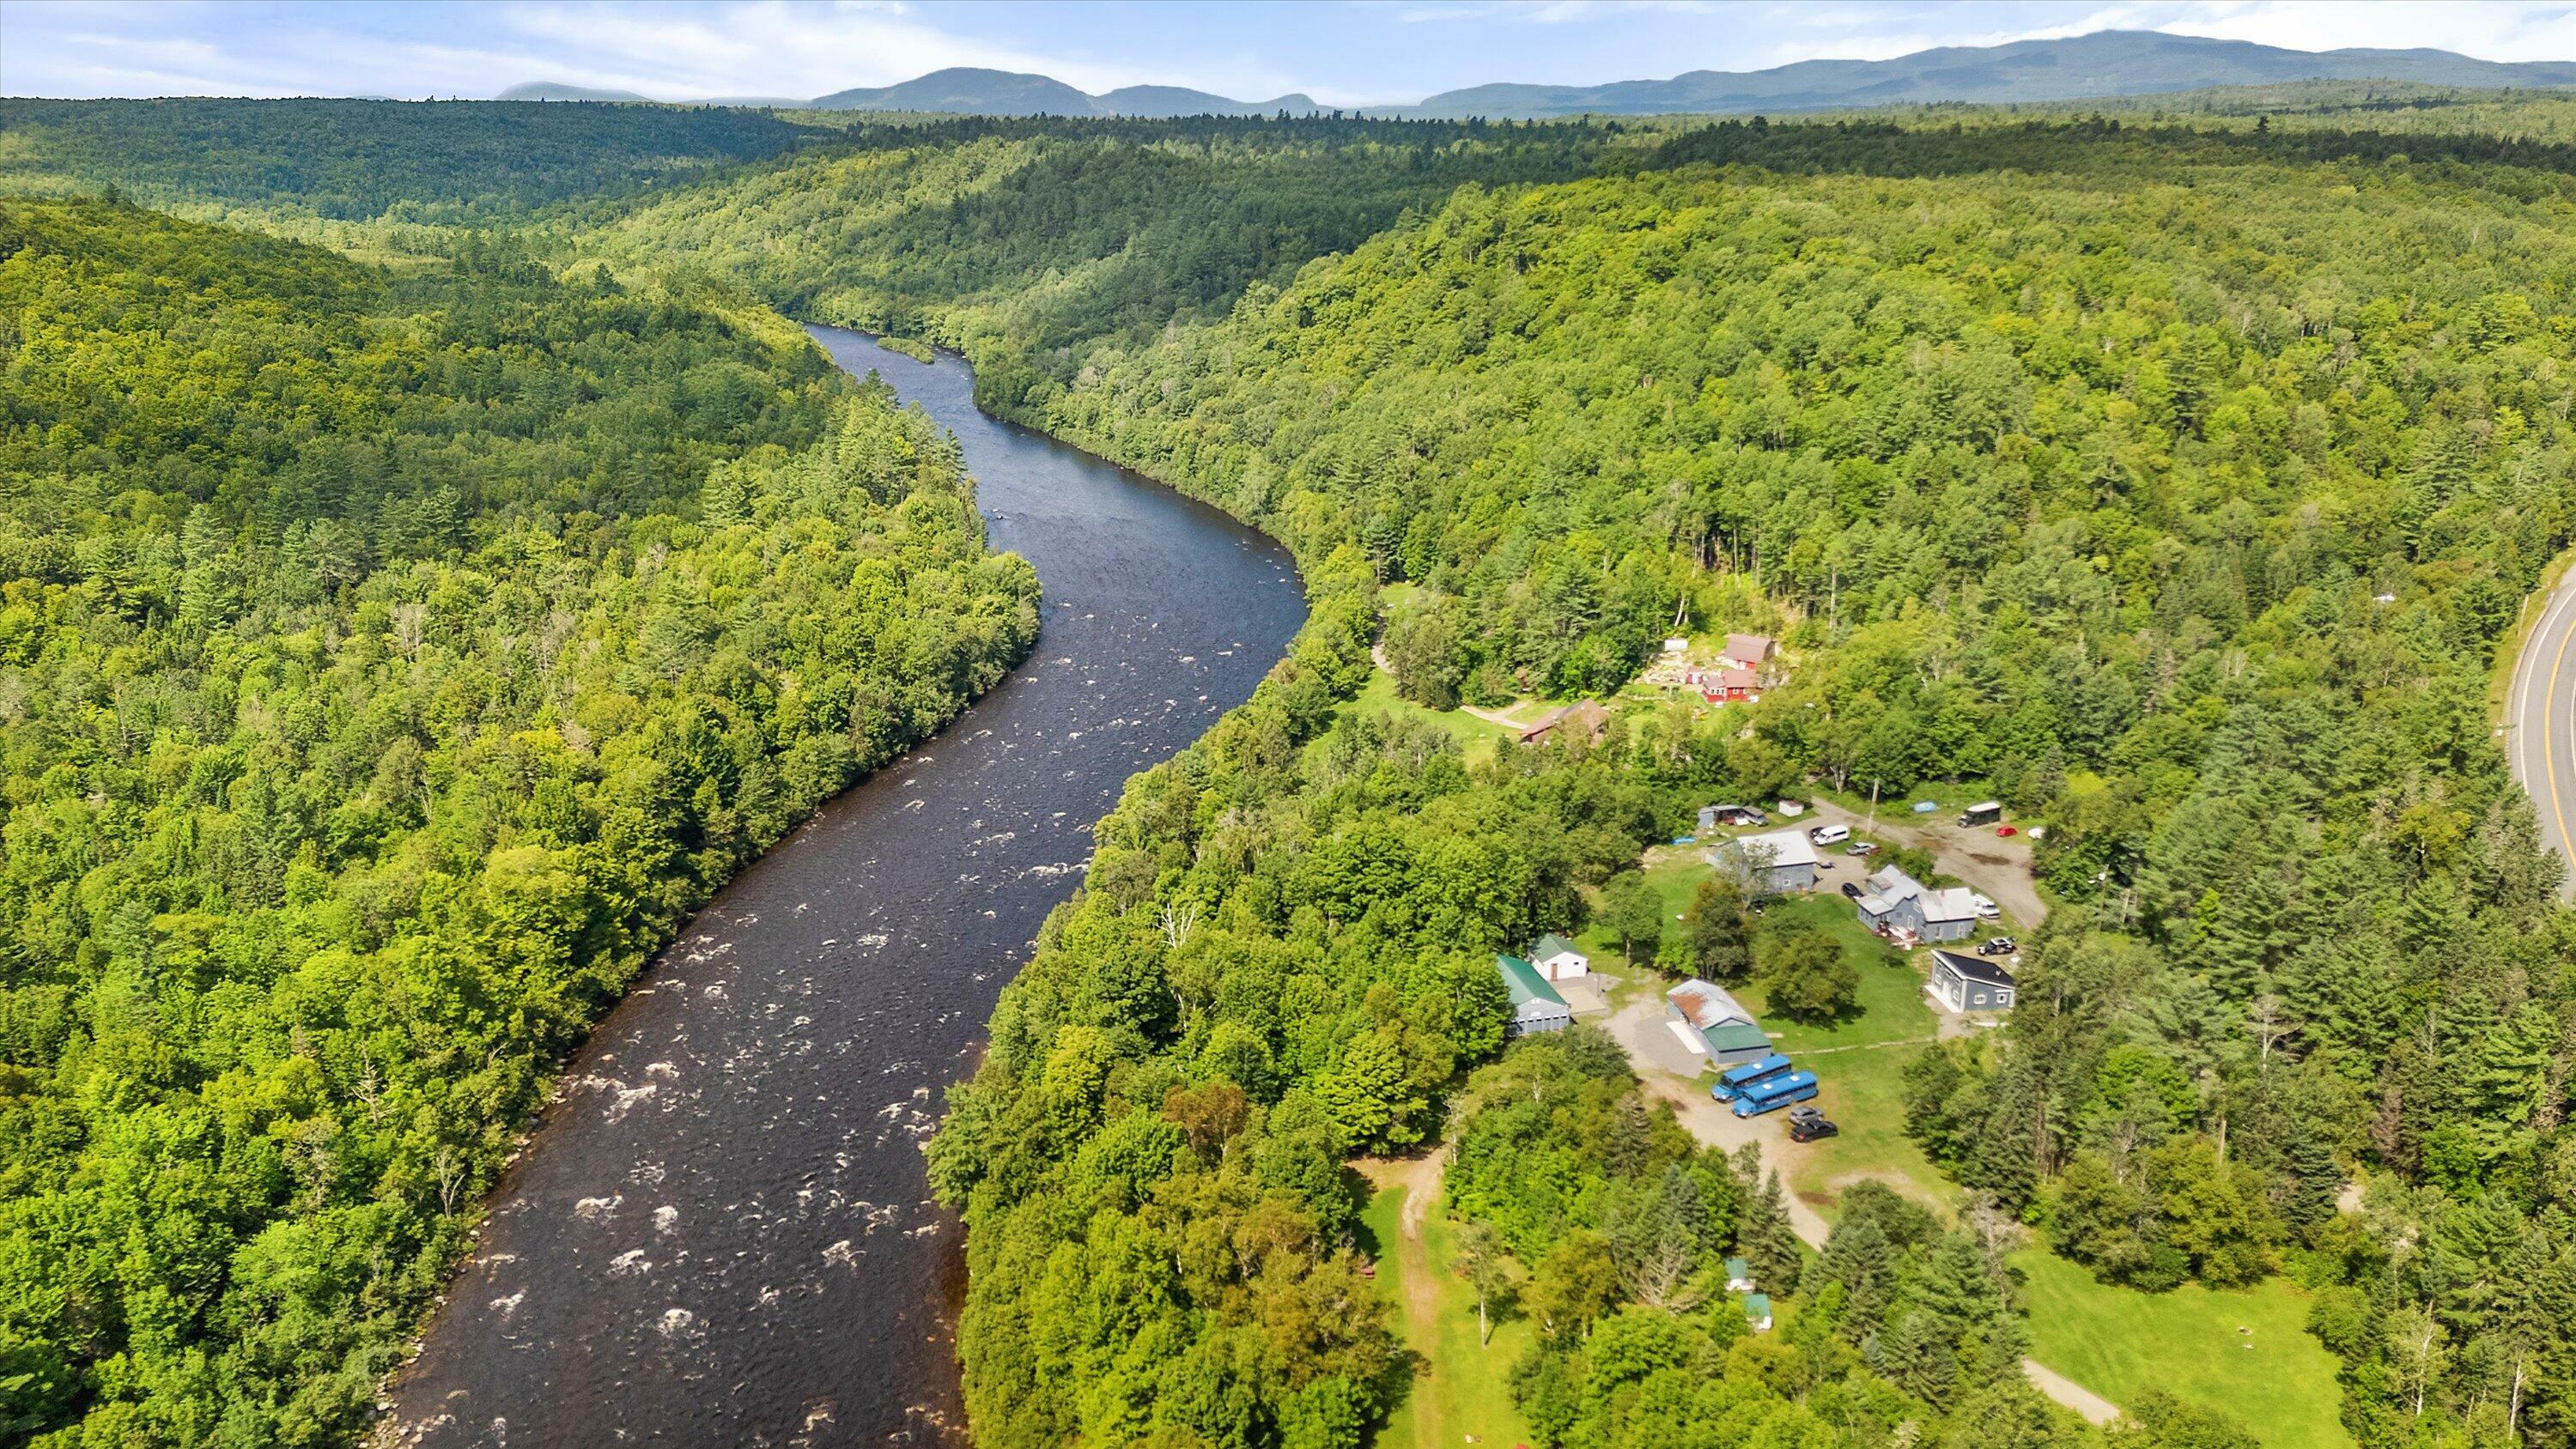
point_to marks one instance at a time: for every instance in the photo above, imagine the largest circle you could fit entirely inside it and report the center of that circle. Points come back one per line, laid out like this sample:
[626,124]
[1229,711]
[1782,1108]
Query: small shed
[1757,1311]
[1713,1023]
[1965,983]
[1739,1276]
[1557,960]
[1774,864]
[1535,1004]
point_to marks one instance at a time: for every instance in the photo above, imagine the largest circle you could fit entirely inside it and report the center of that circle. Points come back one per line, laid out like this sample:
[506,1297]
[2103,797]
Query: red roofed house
[1719,685]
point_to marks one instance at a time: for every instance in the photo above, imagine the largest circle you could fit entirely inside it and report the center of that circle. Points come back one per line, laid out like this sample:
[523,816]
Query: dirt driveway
[1671,1074]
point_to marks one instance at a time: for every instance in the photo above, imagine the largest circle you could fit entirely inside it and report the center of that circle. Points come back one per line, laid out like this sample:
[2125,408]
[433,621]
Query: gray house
[1970,983]
[1535,1004]
[1775,864]
[1897,905]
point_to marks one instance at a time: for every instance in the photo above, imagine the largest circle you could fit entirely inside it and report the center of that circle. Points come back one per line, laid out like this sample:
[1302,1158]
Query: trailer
[1775,1094]
[1732,1082]
[1986,813]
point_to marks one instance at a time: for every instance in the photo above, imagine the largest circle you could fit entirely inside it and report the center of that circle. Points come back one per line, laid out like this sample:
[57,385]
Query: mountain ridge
[2105,63]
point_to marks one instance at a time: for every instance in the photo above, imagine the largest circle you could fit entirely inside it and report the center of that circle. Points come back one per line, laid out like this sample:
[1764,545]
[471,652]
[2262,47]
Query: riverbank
[728,1193]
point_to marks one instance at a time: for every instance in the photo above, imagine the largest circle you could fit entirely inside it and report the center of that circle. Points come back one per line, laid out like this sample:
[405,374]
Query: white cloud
[2505,32]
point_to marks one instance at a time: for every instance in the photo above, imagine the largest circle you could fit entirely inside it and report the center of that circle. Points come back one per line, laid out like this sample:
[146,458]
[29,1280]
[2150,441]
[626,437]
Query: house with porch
[1906,911]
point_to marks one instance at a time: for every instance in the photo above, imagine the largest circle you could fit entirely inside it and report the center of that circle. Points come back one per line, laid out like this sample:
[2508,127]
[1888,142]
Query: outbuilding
[1535,1004]
[1966,983]
[1711,1022]
[1749,651]
[1557,960]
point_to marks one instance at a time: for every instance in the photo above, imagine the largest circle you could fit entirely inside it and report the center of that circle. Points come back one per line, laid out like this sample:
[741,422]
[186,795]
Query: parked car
[1852,889]
[1805,1110]
[1860,847]
[1812,1129]
[1985,905]
[2007,831]
[1997,946]
[1829,834]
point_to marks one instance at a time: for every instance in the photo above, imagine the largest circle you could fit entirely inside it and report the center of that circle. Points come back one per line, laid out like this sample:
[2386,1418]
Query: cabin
[1780,863]
[1586,718]
[1757,1312]
[1905,910]
[1714,1024]
[1535,1005]
[1739,1276]
[1749,651]
[1557,960]
[1965,983]
[1727,683]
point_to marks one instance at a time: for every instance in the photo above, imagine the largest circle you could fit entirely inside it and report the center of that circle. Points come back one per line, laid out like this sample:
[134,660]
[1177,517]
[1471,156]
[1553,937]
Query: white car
[1986,907]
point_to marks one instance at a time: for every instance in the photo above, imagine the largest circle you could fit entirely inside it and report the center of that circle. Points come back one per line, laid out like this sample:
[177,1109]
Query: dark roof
[1974,968]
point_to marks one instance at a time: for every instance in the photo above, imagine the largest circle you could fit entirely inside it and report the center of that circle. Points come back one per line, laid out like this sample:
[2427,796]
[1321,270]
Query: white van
[1829,835]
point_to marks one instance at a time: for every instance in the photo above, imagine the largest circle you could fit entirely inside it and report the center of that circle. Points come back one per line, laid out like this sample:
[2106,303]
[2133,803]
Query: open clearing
[2276,1380]
[1461,1390]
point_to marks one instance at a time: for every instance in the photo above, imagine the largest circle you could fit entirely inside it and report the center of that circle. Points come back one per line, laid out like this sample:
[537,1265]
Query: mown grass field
[1461,1389]
[2276,1380]
[1476,737]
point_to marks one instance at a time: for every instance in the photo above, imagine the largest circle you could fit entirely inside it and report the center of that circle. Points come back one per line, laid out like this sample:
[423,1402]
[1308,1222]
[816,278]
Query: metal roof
[1706,1005]
[1524,983]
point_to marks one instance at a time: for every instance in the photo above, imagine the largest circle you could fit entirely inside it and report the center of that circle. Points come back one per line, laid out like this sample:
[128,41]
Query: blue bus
[1733,1081]
[1778,1092]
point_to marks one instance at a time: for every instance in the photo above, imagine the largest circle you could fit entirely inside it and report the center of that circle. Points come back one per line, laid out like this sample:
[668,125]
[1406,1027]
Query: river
[721,1233]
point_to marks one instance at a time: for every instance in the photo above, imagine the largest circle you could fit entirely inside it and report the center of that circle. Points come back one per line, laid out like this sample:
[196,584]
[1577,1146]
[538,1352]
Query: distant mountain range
[2106,63]
[968,91]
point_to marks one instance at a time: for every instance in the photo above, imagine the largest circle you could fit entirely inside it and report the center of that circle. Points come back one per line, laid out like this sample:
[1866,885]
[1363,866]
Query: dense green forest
[2183,508]
[2177,478]
[386,665]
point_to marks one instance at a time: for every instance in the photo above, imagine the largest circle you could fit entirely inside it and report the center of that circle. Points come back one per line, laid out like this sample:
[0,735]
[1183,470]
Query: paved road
[2540,720]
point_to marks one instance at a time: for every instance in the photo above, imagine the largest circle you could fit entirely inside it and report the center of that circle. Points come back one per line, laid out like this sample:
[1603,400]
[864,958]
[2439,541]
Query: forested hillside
[385,667]
[2186,507]
[481,162]
[1024,243]
[2177,482]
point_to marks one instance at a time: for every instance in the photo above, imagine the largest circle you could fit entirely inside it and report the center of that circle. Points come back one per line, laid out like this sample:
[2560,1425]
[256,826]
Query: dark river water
[721,1234]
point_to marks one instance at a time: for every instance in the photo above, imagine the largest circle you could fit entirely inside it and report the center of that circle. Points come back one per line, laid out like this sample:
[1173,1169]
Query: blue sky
[1368,51]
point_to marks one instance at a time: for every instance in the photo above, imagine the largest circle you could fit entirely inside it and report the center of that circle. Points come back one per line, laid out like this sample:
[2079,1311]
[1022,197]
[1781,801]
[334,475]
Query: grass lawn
[1461,1389]
[2276,1381]
[1861,1075]
[1860,1067]
[1475,736]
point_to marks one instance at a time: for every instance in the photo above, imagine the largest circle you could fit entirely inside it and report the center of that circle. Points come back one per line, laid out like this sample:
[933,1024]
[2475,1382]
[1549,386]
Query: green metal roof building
[1535,1004]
